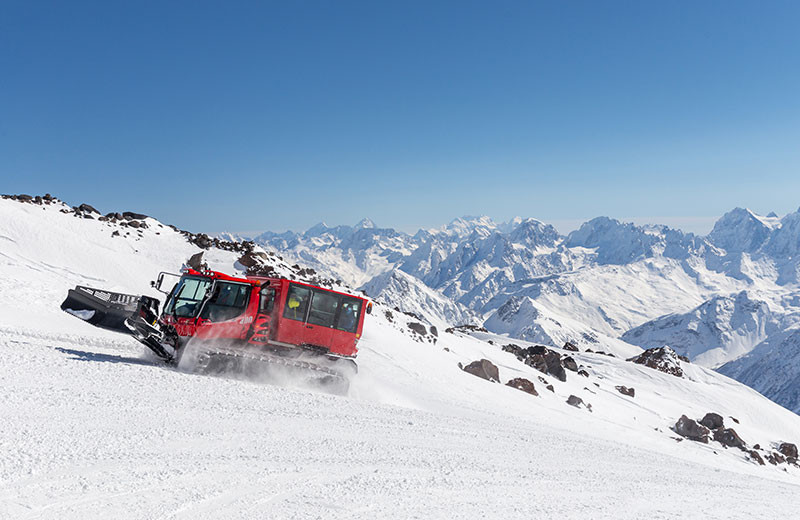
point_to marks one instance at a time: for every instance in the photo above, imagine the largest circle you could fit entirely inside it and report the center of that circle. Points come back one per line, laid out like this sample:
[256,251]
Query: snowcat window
[187,297]
[323,308]
[348,315]
[297,303]
[266,300]
[228,302]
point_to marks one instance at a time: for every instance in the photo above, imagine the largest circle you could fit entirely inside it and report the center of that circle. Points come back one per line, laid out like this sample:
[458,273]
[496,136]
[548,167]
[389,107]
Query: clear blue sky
[273,115]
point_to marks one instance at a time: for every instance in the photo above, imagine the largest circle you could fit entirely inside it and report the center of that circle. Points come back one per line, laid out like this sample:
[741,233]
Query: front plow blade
[101,308]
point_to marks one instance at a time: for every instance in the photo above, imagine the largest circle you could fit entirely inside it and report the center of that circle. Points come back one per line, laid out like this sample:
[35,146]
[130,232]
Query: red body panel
[260,328]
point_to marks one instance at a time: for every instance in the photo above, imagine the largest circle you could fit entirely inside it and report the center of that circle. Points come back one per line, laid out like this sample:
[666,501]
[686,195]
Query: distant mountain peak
[365,223]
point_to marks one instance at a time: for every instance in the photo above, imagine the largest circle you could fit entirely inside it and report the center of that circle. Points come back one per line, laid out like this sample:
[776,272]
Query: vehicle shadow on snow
[82,355]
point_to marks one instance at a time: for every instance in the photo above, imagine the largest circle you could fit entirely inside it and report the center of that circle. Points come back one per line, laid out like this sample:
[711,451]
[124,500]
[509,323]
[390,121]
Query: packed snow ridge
[441,421]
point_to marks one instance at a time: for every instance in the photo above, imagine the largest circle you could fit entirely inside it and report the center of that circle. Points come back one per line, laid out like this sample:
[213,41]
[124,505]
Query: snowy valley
[495,375]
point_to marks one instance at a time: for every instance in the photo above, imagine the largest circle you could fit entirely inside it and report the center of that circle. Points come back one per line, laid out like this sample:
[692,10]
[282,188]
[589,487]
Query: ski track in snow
[92,428]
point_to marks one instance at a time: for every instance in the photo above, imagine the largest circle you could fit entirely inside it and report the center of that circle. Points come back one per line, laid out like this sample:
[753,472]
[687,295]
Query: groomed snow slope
[94,429]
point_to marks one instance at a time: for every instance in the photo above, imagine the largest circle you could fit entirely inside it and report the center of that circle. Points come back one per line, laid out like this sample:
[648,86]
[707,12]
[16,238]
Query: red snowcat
[239,325]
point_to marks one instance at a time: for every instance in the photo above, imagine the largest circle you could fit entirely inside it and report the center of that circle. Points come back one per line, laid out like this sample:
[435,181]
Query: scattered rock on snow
[484,369]
[196,261]
[419,328]
[712,421]
[788,449]
[569,363]
[570,346]
[775,458]
[583,373]
[624,390]
[541,358]
[729,437]
[756,457]
[520,383]
[550,387]
[689,428]
[663,359]
[574,400]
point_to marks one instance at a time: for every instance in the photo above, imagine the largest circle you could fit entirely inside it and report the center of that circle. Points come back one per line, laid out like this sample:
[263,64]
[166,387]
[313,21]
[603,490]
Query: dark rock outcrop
[689,428]
[484,369]
[577,402]
[520,383]
[570,346]
[624,390]
[663,359]
[130,215]
[569,363]
[712,421]
[419,328]
[541,358]
[788,449]
[196,262]
[754,455]
[729,437]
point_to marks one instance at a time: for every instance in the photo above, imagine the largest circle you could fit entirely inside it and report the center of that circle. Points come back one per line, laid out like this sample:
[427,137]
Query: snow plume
[222,357]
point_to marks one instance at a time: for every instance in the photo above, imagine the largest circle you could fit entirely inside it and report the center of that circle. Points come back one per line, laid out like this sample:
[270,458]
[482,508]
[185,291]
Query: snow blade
[101,308]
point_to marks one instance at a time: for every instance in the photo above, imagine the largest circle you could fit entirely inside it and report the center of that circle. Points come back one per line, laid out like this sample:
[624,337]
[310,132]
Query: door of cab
[308,316]
[228,313]
[292,326]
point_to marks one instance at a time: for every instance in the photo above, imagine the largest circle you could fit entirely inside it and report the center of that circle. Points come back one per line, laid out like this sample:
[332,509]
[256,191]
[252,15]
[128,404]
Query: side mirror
[369,308]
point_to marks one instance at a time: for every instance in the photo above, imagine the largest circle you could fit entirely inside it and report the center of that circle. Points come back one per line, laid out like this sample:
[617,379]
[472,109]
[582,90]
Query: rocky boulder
[754,455]
[569,363]
[570,346]
[663,359]
[577,402]
[484,369]
[712,421]
[624,390]
[196,262]
[689,428]
[520,383]
[729,437]
[542,359]
[788,449]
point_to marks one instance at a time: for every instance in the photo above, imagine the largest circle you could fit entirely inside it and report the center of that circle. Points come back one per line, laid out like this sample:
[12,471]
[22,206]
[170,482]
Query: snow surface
[93,428]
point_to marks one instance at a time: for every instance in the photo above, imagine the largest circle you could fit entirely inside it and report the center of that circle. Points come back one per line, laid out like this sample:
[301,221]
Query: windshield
[187,296]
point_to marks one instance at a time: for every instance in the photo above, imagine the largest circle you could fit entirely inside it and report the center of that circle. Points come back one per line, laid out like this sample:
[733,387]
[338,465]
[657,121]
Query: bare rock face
[788,449]
[520,383]
[253,258]
[754,455]
[130,215]
[86,208]
[712,421]
[577,402]
[542,359]
[569,363]
[729,437]
[775,458]
[624,390]
[419,328]
[196,262]
[570,346]
[663,359]
[484,369]
[689,428]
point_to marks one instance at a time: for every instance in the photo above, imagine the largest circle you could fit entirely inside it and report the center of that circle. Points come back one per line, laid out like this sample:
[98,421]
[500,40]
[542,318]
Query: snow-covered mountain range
[93,427]
[713,298]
